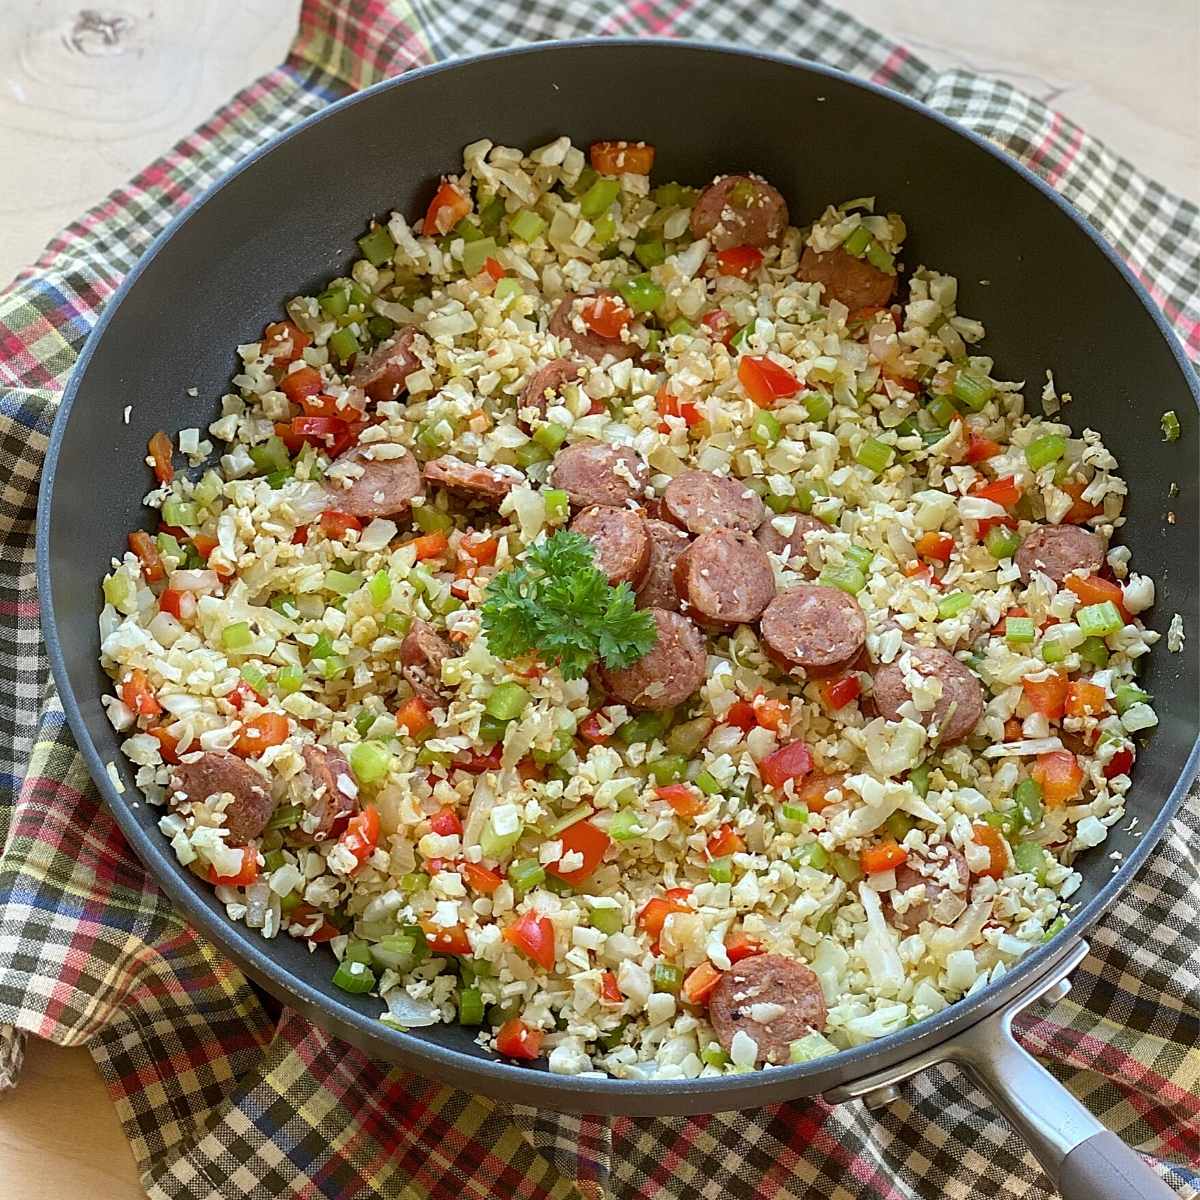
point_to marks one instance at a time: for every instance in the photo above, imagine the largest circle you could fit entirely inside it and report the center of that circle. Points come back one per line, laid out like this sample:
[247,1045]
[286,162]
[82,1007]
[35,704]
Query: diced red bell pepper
[725,841]
[476,763]
[837,693]
[1081,510]
[621,157]
[1047,696]
[446,822]
[242,692]
[1060,776]
[1003,491]
[766,381]
[590,730]
[936,546]
[1121,763]
[481,879]
[284,341]
[323,432]
[739,260]
[181,605]
[685,801]
[886,856]
[533,935]
[261,733]
[720,324]
[429,545]
[610,993]
[993,839]
[300,385]
[606,316]
[741,945]
[700,983]
[446,209]
[480,549]
[303,914]
[582,838]
[494,269]
[446,939]
[246,875]
[793,761]
[670,405]
[770,714]
[742,714]
[656,910]
[168,745]
[362,833]
[980,449]
[515,1039]
[335,525]
[160,451]
[142,544]
[413,716]
[138,695]
[1095,589]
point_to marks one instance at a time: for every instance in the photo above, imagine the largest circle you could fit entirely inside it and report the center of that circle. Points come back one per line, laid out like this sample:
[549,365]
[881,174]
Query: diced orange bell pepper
[621,157]
[700,982]
[1003,491]
[770,714]
[413,716]
[1095,589]
[1047,696]
[1081,510]
[725,841]
[993,839]
[430,545]
[656,910]
[742,714]
[980,449]
[766,381]
[935,545]
[1060,776]
[837,693]
[481,879]
[741,945]
[606,316]
[446,940]
[138,695]
[160,451]
[246,875]
[739,260]
[260,733]
[887,856]
[1085,699]
[685,801]
[445,210]
[533,935]
[586,839]
[610,993]
[142,544]
[284,341]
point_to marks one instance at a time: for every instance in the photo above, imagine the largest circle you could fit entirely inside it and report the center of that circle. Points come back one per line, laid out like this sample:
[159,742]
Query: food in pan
[626,622]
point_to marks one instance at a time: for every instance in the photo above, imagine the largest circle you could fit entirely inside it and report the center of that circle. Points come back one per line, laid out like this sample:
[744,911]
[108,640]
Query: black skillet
[1050,292]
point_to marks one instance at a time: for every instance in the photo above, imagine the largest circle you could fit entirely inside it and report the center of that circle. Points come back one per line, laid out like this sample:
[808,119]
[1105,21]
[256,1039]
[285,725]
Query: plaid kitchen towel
[220,1100]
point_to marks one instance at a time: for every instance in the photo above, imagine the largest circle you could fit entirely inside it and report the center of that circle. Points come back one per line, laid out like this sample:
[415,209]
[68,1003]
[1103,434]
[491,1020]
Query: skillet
[1049,291]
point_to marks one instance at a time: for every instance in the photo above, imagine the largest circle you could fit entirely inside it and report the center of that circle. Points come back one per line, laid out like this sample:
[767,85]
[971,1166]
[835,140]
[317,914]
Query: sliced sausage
[594,472]
[725,577]
[421,656]
[469,480]
[385,371]
[960,705]
[546,382]
[620,539]
[739,210]
[667,543]
[772,999]
[790,546]
[585,342]
[821,629]
[1057,550]
[699,501]
[669,674]
[386,487]
[216,772]
[851,280]
[909,875]
[329,799]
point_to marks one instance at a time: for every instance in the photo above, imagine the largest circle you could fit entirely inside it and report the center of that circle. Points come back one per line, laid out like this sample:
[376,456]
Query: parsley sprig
[558,603]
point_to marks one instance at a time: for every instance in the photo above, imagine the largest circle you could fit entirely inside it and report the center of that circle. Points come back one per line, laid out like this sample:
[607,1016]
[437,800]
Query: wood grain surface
[88,94]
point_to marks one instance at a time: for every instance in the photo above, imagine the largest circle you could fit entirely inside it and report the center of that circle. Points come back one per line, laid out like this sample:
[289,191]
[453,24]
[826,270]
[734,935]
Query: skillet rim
[494,1075]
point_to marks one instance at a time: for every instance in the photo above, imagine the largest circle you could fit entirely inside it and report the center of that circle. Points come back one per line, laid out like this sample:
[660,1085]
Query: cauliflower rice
[419,814]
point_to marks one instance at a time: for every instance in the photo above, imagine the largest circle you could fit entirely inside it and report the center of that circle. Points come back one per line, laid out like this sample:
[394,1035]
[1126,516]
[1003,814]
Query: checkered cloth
[218,1099]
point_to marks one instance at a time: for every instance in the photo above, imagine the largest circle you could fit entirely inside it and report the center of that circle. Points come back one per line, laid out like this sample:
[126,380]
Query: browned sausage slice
[594,472]
[545,383]
[620,539]
[330,802]
[725,577]
[385,371]
[739,210]
[386,487]
[667,543]
[908,876]
[958,709]
[851,280]
[216,772]
[699,501]
[1057,550]
[421,656]
[791,546]
[772,999]
[671,672]
[819,628]
[469,480]
[592,345]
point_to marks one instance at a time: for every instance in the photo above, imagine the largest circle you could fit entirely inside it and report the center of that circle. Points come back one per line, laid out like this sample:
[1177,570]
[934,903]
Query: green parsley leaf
[558,603]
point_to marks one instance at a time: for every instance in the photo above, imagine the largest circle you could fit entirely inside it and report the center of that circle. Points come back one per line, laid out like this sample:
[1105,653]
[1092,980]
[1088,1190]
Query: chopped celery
[526,874]
[707,783]
[795,812]
[605,229]
[919,778]
[397,622]
[468,231]
[810,1047]
[530,453]
[286,816]
[1019,631]
[169,547]
[680,325]
[507,288]
[208,489]
[1170,426]
[254,675]
[1094,652]
[334,300]
[846,868]
[874,455]
[942,410]
[429,519]
[1001,542]
[847,577]
[271,455]
[343,344]
[953,605]
[476,253]
[370,761]
[1099,620]
[857,241]
[686,738]
[1043,451]
[470,1006]
[377,246]
[607,920]
[811,854]
[380,327]
[490,216]
[121,592]
[558,505]
[625,826]
[765,429]
[507,701]
[1027,800]
[973,388]
[861,557]
[881,259]
[236,636]
[720,870]
[667,977]
[180,512]
[713,1056]
[667,769]
[550,436]
[645,727]
[380,588]
[651,252]
[669,195]
[563,743]
[363,721]
[819,405]
[599,197]
[354,977]
[1029,858]
[496,845]
[1127,695]
[341,583]
[899,825]
[491,729]
[526,225]
[289,679]
[1055,927]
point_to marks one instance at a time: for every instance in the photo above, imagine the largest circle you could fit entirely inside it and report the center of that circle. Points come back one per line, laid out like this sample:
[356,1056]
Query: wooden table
[88,98]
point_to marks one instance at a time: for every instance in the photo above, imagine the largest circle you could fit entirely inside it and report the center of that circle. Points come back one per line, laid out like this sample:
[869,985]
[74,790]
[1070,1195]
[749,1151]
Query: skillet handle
[1084,1160]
